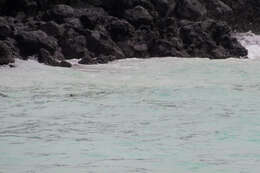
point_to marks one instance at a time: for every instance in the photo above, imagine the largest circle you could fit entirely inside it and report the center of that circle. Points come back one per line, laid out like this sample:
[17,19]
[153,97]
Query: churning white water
[251,42]
[149,116]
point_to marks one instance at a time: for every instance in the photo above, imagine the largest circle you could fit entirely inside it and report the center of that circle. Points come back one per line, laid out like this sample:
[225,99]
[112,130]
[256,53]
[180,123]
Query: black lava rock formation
[99,31]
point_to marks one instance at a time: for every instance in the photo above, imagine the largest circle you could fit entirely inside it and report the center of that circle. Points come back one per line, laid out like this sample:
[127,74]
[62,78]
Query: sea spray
[251,42]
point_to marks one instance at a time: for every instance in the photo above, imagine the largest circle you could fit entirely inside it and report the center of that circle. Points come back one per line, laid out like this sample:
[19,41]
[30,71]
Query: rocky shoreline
[99,31]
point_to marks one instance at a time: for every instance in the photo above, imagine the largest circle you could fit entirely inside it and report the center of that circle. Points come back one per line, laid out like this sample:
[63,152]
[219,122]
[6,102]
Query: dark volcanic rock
[102,59]
[246,15]
[30,42]
[88,59]
[100,44]
[117,7]
[218,9]
[139,44]
[13,7]
[73,44]
[6,56]
[99,31]
[73,23]
[93,16]
[46,58]
[52,29]
[120,29]
[191,9]
[138,16]
[65,64]
[5,29]
[164,48]
[205,38]
[60,12]
[162,6]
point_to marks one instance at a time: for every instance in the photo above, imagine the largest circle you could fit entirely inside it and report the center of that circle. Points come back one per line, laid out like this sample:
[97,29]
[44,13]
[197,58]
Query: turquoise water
[150,116]
[157,115]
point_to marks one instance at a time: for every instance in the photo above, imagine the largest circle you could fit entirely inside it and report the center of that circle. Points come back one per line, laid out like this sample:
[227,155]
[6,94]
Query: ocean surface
[159,115]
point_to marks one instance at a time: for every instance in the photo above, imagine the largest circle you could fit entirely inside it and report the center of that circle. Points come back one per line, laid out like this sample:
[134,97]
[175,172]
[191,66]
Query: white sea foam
[251,42]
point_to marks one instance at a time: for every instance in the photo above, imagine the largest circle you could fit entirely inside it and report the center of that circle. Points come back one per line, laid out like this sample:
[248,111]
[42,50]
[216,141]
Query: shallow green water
[157,115]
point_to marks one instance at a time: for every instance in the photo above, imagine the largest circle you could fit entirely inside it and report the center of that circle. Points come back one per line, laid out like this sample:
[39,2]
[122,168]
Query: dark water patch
[83,140]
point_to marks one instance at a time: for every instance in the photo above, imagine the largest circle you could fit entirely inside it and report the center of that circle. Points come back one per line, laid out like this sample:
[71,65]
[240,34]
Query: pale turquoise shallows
[150,116]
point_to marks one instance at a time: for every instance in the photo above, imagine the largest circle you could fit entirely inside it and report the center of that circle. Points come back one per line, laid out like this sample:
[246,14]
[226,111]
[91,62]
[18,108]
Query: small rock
[65,64]
[102,59]
[12,65]
[88,59]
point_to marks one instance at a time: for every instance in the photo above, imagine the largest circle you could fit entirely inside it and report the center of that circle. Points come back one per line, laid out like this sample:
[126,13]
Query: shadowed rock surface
[6,53]
[99,31]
